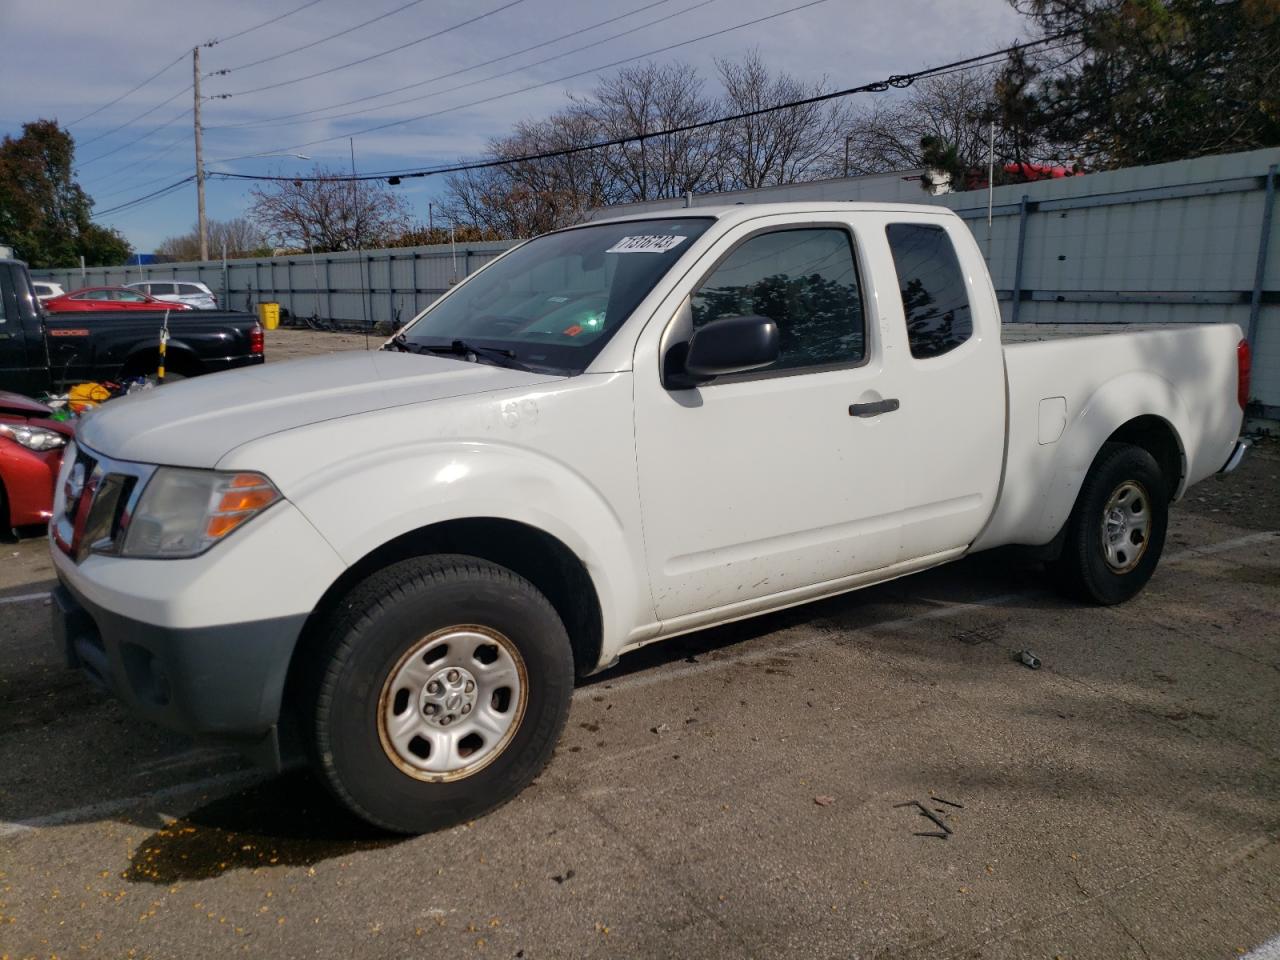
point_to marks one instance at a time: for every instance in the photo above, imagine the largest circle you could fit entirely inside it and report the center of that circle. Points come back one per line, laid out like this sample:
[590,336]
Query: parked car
[96,299]
[46,289]
[197,296]
[611,435]
[31,446]
[42,351]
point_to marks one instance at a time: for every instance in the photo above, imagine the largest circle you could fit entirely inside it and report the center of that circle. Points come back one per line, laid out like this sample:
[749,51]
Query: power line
[536,86]
[259,26]
[442,76]
[155,195]
[135,168]
[899,81]
[136,140]
[527,66]
[878,86]
[313,43]
[374,56]
[173,63]
[141,116]
[130,92]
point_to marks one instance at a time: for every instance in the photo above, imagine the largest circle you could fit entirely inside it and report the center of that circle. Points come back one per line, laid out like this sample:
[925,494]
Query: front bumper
[221,681]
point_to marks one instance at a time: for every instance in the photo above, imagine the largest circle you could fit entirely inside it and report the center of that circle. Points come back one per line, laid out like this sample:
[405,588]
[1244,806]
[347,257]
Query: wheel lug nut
[470,686]
[433,687]
[453,676]
[466,708]
[444,721]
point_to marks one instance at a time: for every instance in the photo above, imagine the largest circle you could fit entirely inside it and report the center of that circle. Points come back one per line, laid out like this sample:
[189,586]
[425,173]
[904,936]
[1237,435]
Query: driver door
[764,483]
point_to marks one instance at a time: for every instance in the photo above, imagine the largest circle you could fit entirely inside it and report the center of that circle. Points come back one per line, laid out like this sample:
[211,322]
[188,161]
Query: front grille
[94,500]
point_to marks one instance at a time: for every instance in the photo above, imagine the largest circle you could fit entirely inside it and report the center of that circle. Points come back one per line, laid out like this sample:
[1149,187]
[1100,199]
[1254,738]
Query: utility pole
[202,224]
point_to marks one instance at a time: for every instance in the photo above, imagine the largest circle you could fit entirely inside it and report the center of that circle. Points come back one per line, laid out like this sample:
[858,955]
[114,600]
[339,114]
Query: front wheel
[1116,531]
[440,694]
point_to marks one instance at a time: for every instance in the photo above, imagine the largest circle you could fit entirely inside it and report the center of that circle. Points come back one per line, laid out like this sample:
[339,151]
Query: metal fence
[1189,241]
[371,287]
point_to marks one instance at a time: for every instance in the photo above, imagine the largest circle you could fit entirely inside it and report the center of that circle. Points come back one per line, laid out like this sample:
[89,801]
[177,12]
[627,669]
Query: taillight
[255,338]
[1244,365]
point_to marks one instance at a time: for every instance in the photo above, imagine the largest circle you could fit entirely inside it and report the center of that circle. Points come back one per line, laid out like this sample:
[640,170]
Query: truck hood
[195,423]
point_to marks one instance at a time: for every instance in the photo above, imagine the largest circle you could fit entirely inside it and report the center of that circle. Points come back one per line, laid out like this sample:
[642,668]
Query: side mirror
[729,345]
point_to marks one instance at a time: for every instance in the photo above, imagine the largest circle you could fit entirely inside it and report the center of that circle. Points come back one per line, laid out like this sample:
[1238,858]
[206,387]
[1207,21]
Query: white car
[611,435]
[45,289]
[195,295]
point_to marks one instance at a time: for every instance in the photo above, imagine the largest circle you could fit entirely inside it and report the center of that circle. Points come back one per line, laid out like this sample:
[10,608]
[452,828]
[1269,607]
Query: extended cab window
[805,282]
[932,285]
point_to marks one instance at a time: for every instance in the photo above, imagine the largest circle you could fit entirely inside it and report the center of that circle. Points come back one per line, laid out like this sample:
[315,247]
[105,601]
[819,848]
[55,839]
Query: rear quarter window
[934,299]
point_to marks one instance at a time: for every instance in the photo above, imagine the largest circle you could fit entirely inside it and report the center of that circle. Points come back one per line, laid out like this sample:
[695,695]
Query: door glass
[129,296]
[804,281]
[189,290]
[95,295]
[161,289]
[932,285]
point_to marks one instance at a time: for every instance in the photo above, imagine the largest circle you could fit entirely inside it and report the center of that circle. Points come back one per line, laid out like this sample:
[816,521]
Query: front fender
[360,504]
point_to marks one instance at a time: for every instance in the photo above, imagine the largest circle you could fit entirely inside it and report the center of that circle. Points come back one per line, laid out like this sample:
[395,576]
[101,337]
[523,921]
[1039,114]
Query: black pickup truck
[41,351]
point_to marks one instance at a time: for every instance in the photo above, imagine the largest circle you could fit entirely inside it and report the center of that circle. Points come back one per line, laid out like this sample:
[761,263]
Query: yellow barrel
[269,315]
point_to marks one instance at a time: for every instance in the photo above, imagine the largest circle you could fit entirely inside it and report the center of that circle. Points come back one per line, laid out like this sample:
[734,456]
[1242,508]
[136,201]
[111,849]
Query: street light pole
[202,225]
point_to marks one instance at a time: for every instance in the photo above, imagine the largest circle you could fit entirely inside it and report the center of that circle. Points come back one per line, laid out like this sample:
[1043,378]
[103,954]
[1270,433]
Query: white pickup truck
[611,435]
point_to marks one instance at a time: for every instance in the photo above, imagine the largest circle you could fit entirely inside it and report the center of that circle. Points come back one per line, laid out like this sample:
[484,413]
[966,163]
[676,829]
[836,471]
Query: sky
[68,59]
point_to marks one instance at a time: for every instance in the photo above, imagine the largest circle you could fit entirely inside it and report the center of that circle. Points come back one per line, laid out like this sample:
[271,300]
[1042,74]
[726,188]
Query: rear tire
[1116,531]
[439,693]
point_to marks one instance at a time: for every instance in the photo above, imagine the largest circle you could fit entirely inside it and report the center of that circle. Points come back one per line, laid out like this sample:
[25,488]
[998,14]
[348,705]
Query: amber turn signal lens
[253,499]
[220,526]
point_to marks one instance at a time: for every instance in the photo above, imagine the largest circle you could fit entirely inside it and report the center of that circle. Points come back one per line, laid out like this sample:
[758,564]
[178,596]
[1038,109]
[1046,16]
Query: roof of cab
[748,211]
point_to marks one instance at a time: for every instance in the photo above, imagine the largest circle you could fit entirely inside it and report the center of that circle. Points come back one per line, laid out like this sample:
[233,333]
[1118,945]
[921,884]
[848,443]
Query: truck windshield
[552,304]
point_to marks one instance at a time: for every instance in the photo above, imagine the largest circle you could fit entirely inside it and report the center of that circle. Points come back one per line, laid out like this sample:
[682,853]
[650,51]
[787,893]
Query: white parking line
[239,779]
[1267,951]
[24,598]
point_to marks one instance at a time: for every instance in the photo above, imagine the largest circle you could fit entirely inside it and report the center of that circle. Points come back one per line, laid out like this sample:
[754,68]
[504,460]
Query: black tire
[369,639]
[1083,570]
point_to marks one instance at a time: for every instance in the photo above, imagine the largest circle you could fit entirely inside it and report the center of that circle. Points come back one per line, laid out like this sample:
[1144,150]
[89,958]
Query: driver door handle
[873,409]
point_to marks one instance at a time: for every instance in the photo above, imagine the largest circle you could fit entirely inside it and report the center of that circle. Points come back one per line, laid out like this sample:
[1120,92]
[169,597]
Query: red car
[31,445]
[108,298]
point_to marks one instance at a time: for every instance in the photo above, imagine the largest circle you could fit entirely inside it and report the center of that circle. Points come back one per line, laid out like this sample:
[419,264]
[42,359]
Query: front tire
[1117,528]
[439,694]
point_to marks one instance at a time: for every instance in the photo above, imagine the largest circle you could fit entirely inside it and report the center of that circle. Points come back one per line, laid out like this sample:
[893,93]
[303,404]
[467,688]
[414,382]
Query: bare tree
[240,237]
[328,213]
[946,123]
[521,199]
[782,146]
[643,99]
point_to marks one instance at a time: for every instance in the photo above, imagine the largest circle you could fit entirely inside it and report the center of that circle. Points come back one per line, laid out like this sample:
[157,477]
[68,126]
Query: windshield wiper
[398,342]
[470,351]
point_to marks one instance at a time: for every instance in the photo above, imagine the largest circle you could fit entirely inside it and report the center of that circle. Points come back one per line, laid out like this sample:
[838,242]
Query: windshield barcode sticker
[646,244]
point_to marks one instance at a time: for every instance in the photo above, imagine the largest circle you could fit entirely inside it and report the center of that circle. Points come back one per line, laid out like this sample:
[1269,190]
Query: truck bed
[1070,384]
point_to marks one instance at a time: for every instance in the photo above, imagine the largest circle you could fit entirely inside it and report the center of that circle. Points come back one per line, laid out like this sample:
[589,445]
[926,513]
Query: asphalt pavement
[735,793]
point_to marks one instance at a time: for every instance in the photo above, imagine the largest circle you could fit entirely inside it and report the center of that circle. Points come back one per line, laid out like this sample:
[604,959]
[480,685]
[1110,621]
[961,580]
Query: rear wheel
[440,693]
[1116,531]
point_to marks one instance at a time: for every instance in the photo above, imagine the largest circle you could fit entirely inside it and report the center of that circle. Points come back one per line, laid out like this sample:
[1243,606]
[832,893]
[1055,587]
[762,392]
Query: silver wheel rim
[1126,526]
[452,703]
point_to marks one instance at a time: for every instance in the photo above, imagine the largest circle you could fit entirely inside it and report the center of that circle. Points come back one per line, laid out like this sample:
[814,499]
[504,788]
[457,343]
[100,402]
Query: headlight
[183,513]
[33,438]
